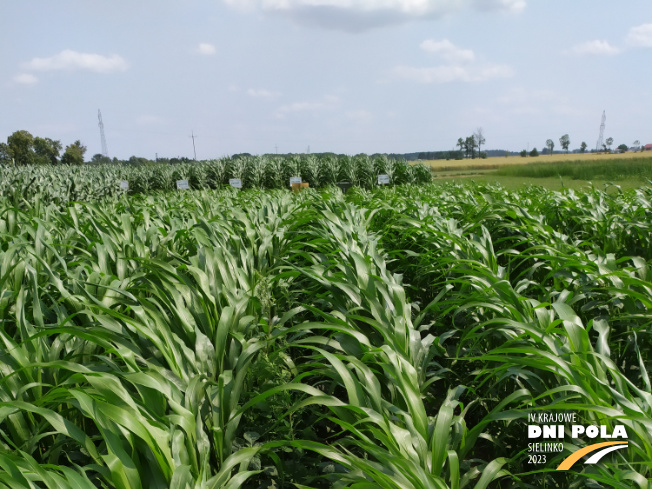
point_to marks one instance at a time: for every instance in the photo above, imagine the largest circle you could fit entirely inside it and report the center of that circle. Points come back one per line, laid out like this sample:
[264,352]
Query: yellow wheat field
[500,161]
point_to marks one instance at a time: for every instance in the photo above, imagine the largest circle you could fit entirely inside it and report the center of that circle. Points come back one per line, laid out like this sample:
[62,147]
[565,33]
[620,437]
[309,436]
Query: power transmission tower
[600,142]
[105,151]
[193,144]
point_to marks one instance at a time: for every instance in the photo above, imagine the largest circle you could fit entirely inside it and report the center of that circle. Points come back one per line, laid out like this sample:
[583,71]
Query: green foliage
[390,337]
[613,169]
[550,144]
[534,152]
[83,182]
[46,151]
[564,141]
[74,154]
[25,149]
[21,144]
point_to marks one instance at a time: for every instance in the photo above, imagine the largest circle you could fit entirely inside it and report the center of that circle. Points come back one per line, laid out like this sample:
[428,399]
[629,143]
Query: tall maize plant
[390,337]
[63,184]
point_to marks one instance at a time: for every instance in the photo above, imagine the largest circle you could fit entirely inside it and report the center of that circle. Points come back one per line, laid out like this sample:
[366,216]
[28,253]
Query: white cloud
[461,66]
[25,79]
[262,93]
[640,36]
[360,15]
[506,5]
[447,50]
[73,60]
[601,48]
[327,103]
[453,73]
[528,101]
[206,49]
[359,115]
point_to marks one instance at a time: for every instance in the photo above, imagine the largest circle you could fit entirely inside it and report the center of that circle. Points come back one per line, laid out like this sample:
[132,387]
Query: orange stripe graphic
[574,457]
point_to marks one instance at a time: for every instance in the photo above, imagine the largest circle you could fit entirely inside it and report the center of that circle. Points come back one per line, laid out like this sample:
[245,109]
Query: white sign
[295,180]
[124,185]
[182,185]
[235,182]
[383,179]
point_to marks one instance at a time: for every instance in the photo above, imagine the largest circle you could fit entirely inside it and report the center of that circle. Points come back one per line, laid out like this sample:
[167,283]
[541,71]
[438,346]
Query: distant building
[647,147]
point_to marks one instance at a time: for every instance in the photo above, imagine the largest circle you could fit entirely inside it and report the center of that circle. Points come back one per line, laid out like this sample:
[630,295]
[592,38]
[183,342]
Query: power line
[193,144]
[600,142]
[105,150]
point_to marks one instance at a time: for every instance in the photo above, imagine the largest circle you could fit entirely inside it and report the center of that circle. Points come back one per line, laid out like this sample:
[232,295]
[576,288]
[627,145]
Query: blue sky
[346,76]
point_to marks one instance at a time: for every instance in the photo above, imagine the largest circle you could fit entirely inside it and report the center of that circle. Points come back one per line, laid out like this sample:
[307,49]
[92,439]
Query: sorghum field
[385,338]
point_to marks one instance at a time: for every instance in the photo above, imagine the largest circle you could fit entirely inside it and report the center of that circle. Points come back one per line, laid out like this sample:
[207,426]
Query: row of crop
[392,338]
[64,184]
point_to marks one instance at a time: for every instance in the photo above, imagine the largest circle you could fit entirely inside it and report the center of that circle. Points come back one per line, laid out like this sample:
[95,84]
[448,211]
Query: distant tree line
[22,148]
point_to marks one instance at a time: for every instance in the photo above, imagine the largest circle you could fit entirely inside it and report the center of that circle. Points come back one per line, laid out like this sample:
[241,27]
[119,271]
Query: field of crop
[64,183]
[500,161]
[387,338]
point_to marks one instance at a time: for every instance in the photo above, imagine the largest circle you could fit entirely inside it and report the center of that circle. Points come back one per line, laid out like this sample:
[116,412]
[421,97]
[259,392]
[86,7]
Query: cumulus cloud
[25,79]
[505,5]
[327,103]
[453,73]
[361,15]
[640,36]
[262,93]
[447,50]
[600,48]
[461,66]
[206,49]
[75,61]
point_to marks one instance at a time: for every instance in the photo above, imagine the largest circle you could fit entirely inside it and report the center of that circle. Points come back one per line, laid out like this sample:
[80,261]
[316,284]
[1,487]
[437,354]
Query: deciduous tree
[5,154]
[46,151]
[564,141]
[550,144]
[74,154]
[583,147]
[21,147]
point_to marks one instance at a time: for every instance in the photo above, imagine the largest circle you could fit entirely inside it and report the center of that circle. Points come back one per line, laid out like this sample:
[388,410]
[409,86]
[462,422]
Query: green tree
[609,142]
[470,144]
[550,144]
[564,141]
[5,154]
[583,147]
[21,147]
[534,152]
[46,151]
[523,153]
[460,143]
[74,154]
[622,148]
[100,159]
